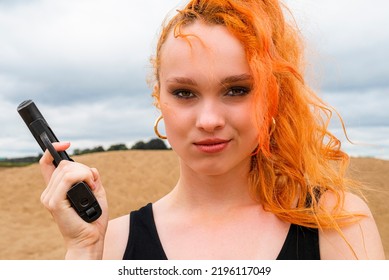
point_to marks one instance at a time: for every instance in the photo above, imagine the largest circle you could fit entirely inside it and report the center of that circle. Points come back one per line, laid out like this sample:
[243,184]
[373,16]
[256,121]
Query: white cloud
[85,64]
[347,40]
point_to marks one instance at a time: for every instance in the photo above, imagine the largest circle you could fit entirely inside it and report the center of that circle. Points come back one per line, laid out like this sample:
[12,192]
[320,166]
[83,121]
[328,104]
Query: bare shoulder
[360,240]
[116,238]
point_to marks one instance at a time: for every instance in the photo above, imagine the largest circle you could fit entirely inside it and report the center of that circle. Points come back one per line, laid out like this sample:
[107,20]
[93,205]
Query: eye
[238,91]
[182,93]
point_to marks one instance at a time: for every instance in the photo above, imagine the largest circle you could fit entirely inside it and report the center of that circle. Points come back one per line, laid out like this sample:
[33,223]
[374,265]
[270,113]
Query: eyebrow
[236,78]
[182,80]
[225,81]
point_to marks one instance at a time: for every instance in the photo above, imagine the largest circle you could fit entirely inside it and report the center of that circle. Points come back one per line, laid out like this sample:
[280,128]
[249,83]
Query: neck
[213,192]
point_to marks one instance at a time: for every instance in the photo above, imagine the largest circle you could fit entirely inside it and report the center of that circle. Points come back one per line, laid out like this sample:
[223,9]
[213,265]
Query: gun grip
[84,202]
[80,195]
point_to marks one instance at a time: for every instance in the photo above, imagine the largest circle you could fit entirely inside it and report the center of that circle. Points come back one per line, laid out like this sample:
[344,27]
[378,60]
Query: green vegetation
[153,144]
[4,163]
[98,149]
[19,162]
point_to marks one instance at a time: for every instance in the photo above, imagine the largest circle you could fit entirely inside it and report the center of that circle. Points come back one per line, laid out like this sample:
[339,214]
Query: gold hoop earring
[273,126]
[156,128]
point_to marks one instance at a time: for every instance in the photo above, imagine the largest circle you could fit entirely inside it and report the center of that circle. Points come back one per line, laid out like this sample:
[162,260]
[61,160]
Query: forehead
[211,35]
[203,46]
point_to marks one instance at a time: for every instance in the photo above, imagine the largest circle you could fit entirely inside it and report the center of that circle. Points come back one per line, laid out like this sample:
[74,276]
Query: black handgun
[80,195]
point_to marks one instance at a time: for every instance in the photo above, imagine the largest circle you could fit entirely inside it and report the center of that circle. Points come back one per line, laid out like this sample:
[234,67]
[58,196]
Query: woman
[261,177]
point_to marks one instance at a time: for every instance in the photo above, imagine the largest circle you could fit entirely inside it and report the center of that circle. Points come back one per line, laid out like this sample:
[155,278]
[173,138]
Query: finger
[46,162]
[54,198]
[100,194]
[54,184]
[98,188]
[66,175]
[59,146]
[95,177]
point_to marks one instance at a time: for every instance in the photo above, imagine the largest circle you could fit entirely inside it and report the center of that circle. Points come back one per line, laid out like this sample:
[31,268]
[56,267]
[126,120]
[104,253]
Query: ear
[155,94]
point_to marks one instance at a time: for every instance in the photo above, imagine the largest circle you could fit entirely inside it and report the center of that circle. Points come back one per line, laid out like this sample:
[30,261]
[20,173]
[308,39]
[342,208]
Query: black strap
[143,242]
[301,243]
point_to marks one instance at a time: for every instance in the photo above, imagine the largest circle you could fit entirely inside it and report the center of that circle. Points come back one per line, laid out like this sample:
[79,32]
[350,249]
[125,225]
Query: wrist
[85,252]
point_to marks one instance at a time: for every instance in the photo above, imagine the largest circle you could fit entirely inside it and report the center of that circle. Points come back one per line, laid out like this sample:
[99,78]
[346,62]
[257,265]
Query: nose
[210,116]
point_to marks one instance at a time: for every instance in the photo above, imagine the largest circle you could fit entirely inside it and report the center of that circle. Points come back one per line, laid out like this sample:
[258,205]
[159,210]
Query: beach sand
[131,179]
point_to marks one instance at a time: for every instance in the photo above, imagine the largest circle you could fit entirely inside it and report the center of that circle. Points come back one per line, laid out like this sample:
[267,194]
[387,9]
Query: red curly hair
[299,159]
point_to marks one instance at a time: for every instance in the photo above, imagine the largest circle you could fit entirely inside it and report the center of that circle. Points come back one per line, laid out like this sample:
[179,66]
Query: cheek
[247,117]
[250,131]
[248,123]
[176,121]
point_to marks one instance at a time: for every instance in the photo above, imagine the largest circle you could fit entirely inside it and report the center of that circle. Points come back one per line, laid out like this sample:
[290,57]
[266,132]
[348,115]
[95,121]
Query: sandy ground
[131,179]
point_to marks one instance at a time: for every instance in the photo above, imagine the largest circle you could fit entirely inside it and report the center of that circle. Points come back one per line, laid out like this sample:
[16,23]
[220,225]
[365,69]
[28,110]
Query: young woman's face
[206,99]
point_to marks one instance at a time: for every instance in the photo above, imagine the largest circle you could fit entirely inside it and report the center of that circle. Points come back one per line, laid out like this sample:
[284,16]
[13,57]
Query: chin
[216,169]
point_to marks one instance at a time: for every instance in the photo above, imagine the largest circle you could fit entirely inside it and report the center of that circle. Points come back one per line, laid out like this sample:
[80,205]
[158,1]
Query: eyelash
[231,92]
[180,93]
[238,91]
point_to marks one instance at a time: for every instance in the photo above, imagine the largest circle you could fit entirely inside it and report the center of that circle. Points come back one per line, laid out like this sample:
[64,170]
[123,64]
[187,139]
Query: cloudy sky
[85,64]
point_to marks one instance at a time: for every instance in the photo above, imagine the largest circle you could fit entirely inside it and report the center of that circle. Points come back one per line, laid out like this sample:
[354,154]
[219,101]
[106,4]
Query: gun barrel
[29,112]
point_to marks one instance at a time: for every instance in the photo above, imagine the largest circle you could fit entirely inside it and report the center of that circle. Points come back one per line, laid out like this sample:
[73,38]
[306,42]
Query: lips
[214,145]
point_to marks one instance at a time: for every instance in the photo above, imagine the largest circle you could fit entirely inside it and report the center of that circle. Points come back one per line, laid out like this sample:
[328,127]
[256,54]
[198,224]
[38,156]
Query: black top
[301,243]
